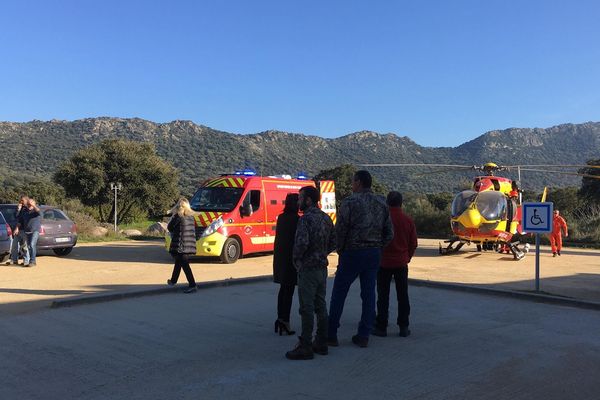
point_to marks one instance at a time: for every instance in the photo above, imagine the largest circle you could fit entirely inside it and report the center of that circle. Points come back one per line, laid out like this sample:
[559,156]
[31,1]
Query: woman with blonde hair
[183,242]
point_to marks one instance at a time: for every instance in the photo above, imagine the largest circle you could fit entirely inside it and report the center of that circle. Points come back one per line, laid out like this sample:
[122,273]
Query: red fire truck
[238,212]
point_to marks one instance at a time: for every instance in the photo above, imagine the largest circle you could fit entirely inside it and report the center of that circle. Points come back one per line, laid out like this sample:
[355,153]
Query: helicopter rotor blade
[553,166]
[418,165]
[561,172]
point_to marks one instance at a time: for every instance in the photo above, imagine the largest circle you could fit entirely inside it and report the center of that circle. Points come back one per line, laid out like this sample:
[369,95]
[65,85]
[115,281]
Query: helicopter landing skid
[451,249]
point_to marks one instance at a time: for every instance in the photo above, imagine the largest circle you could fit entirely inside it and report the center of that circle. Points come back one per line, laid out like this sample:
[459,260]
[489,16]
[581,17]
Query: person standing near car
[19,242]
[31,225]
[183,242]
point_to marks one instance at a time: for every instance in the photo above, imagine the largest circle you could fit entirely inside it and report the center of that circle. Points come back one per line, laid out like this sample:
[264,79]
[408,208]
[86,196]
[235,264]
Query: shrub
[85,222]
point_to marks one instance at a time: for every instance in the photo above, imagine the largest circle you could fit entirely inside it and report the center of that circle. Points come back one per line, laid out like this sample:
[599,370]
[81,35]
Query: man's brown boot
[302,351]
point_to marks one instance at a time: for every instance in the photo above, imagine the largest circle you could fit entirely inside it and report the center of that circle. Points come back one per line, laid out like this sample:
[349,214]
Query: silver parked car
[5,239]
[58,233]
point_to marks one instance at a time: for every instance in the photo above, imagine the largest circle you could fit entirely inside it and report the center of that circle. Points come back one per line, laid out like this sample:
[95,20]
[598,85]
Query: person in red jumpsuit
[558,225]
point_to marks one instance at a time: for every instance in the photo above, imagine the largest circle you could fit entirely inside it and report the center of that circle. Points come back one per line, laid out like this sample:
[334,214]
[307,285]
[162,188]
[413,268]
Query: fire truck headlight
[212,228]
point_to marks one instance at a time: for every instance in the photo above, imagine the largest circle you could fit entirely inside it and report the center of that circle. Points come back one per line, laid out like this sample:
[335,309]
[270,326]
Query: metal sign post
[537,218]
[116,187]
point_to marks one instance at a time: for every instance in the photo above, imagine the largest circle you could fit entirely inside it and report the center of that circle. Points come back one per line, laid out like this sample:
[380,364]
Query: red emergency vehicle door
[254,224]
[275,200]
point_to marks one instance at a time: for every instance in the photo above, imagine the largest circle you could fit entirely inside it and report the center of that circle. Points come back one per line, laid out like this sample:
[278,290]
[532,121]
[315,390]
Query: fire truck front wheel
[231,251]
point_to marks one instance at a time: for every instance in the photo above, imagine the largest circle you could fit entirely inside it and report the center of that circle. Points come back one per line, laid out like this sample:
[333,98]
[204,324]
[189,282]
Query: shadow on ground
[588,288]
[149,253]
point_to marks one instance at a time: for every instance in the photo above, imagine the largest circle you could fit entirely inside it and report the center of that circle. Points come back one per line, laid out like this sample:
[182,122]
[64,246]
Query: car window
[53,215]
[9,213]
[2,220]
[48,214]
[59,215]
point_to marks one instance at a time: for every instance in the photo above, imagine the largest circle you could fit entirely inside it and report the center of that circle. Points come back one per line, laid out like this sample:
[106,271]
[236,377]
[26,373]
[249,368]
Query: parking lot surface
[136,265]
[219,344]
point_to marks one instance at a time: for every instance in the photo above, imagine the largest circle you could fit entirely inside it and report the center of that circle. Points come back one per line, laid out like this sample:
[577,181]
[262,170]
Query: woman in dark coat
[284,271]
[183,242]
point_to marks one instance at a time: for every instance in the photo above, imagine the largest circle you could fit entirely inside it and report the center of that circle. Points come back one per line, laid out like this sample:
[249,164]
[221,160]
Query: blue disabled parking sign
[537,217]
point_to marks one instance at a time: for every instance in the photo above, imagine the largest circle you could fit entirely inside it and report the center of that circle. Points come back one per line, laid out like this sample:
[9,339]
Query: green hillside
[200,152]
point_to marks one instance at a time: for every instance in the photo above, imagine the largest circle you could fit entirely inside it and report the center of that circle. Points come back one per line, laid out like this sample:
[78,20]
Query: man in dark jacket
[394,263]
[363,229]
[315,239]
[30,223]
[19,243]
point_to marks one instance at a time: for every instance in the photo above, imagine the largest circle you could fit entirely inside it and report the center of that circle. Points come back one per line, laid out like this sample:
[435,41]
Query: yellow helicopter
[489,213]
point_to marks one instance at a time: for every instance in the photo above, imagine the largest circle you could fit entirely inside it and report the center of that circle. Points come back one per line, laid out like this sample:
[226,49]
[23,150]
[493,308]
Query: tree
[441,200]
[342,175]
[565,199]
[14,184]
[148,181]
[590,187]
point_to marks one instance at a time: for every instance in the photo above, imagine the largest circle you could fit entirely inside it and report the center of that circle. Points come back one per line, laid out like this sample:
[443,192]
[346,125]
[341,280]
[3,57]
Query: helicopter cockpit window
[491,205]
[462,201]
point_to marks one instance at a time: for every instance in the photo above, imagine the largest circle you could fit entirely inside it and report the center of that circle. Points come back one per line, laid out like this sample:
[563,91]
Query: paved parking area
[219,344]
[133,266]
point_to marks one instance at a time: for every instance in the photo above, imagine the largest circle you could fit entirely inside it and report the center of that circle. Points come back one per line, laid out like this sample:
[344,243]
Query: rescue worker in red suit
[558,225]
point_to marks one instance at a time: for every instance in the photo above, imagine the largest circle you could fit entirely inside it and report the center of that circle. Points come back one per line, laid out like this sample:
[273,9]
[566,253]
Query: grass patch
[141,226]
[111,236]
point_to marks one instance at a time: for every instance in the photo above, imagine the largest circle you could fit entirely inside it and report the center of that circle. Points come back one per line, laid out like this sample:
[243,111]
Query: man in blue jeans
[30,224]
[363,228]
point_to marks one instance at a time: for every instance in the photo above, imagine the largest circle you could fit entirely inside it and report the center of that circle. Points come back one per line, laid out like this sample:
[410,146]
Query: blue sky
[440,72]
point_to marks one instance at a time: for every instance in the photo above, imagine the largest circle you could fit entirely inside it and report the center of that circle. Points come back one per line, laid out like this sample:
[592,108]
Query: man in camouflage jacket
[363,228]
[315,239]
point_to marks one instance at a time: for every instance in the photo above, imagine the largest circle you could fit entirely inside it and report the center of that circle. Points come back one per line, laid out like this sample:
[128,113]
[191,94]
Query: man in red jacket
[558,225]
[394,263]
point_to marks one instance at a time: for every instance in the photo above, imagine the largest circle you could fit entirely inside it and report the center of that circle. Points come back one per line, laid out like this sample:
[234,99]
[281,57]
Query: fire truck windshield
[216,199]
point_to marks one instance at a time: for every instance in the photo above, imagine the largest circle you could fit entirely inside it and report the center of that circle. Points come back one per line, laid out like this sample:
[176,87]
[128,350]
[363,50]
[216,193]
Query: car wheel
[4,258]
[62,252]
[231,251]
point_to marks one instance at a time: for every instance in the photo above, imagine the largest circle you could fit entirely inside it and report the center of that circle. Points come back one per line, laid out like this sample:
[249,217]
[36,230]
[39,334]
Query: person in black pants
[183,242]
[284,272]
[394,263]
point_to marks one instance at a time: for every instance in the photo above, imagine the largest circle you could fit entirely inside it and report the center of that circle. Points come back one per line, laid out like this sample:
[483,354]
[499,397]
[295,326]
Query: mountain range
[201,152]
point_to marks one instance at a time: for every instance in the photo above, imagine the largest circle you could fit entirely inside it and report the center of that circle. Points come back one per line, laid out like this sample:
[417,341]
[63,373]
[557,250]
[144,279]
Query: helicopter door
[511,211]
